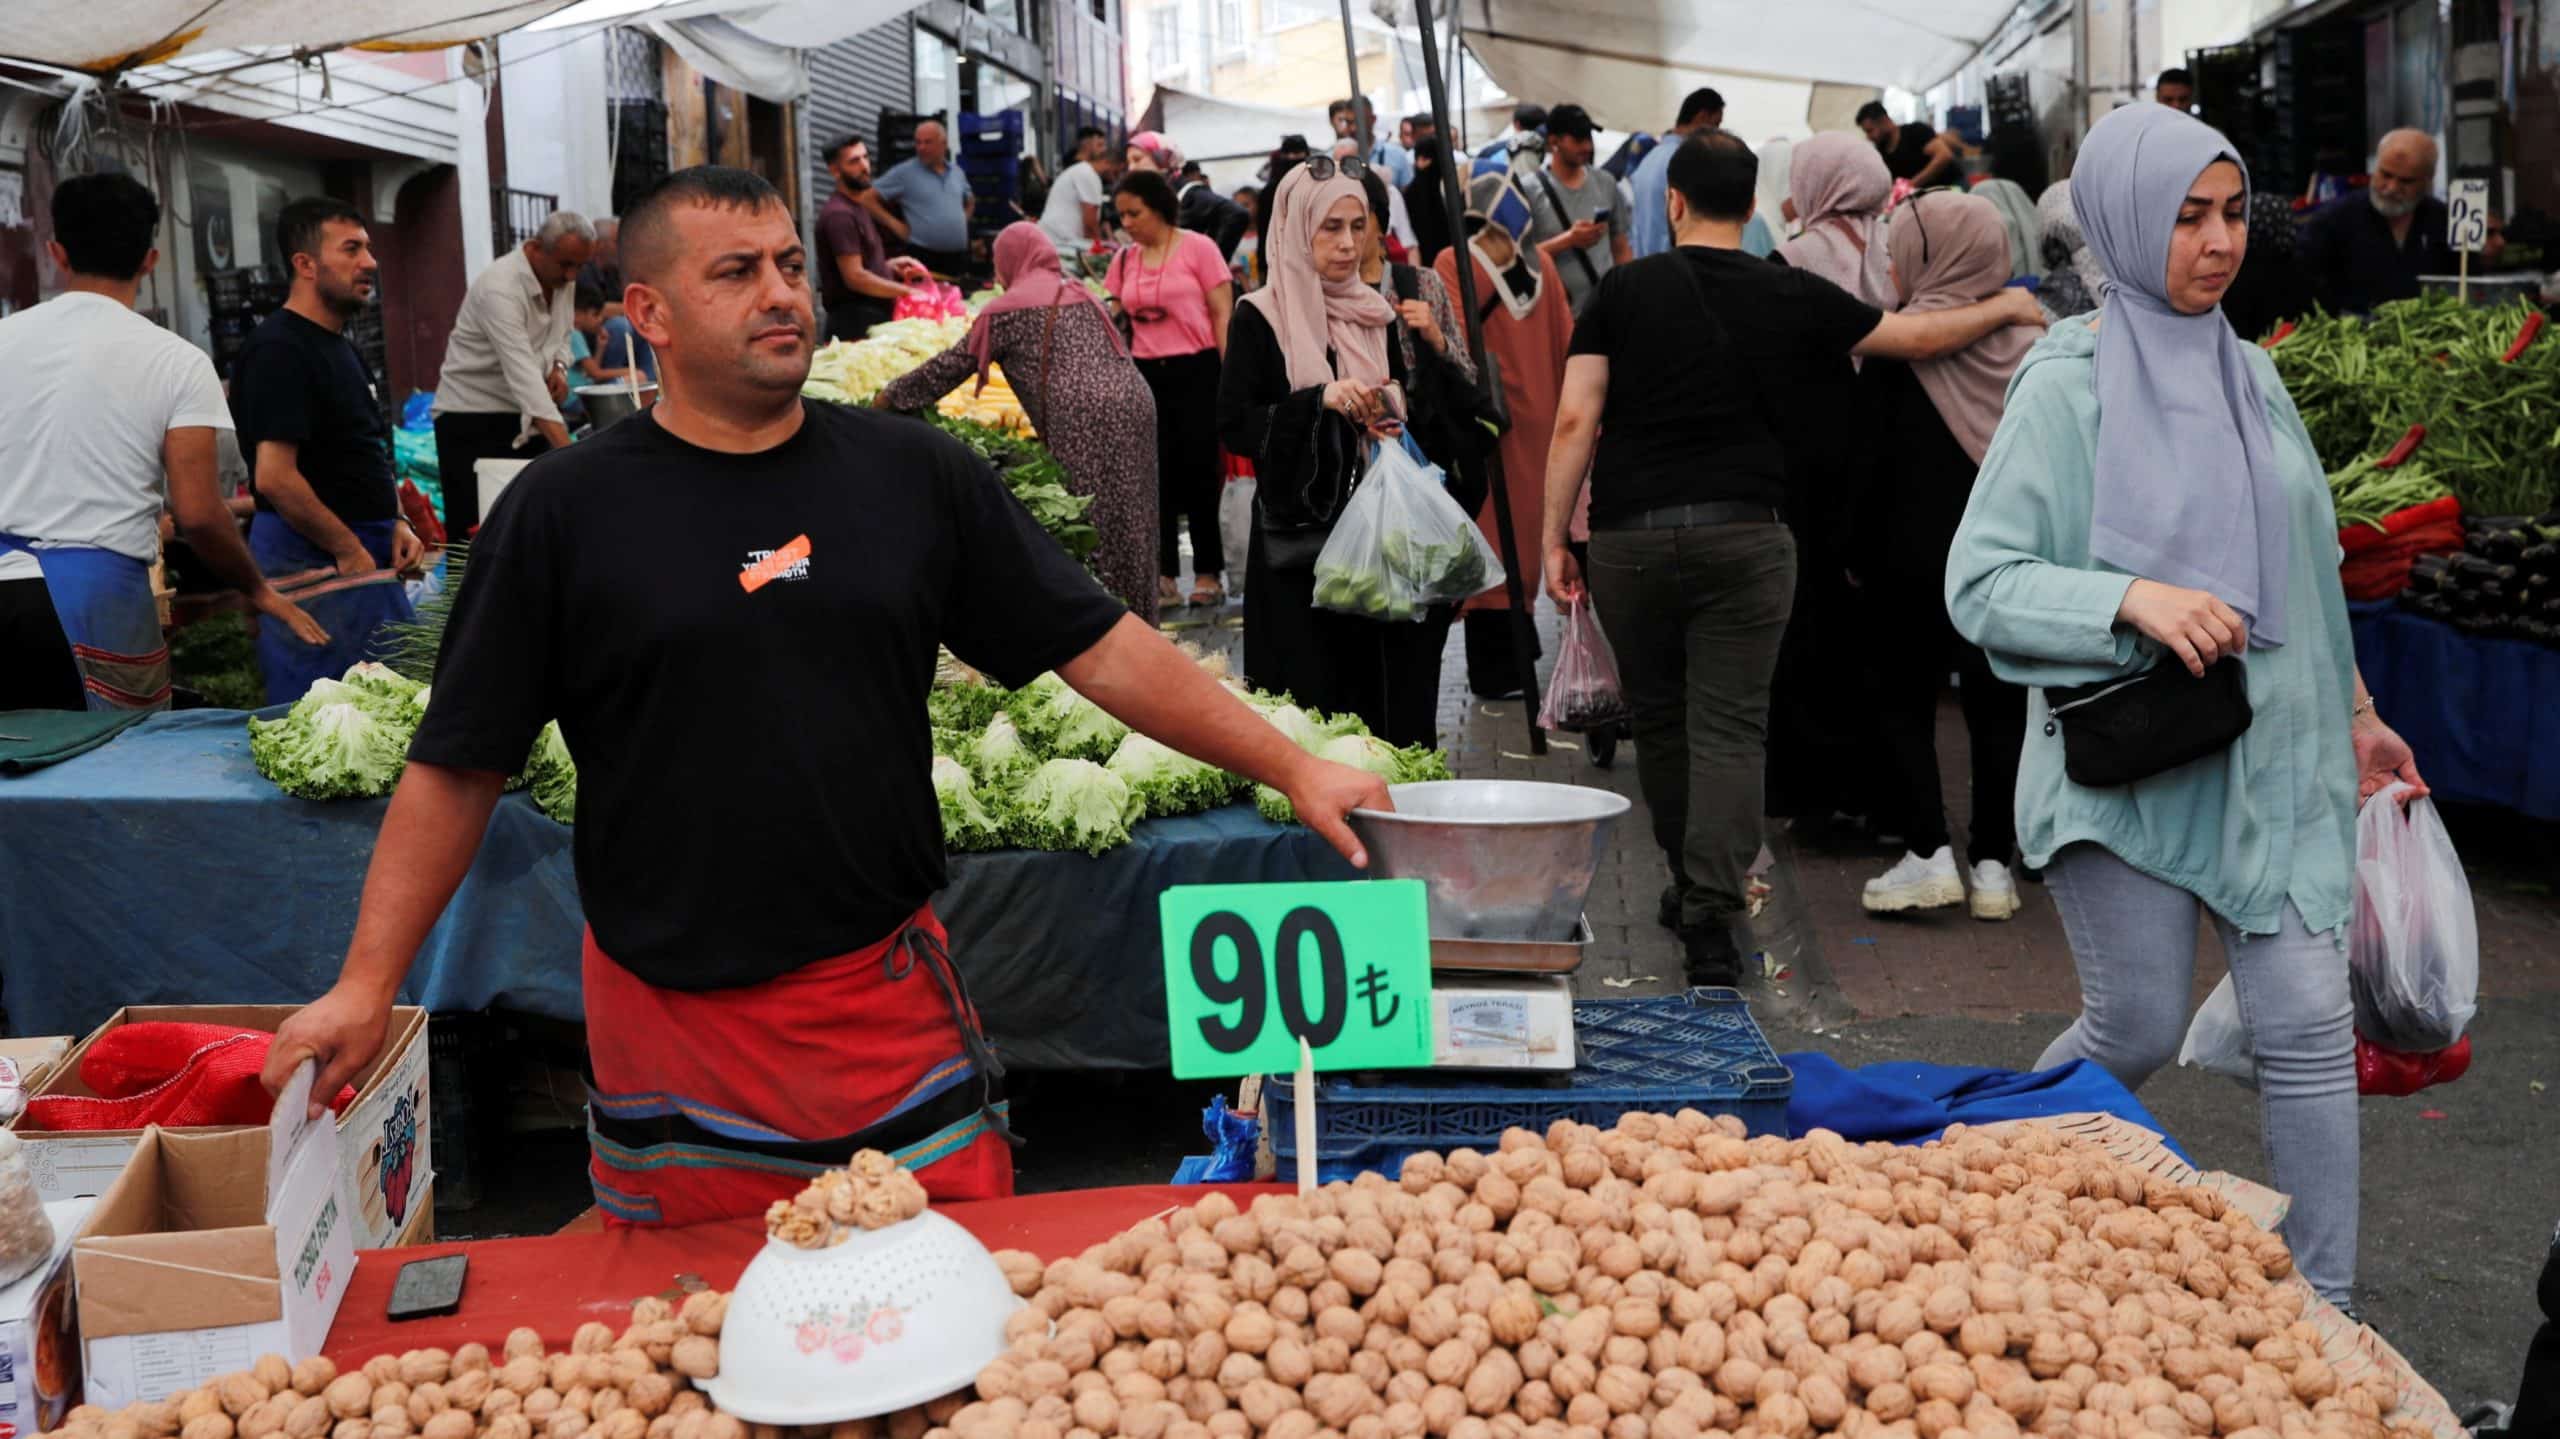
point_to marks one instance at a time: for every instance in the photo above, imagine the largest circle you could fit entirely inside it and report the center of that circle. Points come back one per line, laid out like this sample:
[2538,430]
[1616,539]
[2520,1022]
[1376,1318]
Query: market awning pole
[1453,195]
[1359,100]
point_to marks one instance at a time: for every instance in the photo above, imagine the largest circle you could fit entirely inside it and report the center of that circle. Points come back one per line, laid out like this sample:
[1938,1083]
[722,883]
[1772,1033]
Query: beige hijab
[1840,186]
[1949,251]
[1308,315]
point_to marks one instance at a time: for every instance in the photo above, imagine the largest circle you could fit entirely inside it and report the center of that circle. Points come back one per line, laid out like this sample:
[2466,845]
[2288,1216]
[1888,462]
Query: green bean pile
[2365,493]
[2493,427]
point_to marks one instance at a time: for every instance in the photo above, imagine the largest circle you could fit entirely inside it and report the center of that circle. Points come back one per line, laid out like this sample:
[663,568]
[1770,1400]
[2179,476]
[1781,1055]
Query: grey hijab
[2188,491]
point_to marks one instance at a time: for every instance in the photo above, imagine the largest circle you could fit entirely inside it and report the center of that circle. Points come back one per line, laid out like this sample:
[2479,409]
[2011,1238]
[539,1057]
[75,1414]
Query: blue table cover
[1909,1103]
[162,868]
[2482,715]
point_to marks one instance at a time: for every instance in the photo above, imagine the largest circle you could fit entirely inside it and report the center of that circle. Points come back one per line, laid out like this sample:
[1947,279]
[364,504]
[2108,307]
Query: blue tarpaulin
[163,869]
[1909,1103]
[2482,715]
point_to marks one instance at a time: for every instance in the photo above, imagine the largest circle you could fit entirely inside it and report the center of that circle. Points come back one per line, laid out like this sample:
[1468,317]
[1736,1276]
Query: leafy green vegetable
[966,825]
[217,658]
[1074,804]
[964,706]
[1368,752]
[1297,724]
[1053,716]
[999,750]
[1274,806]
[1034,476]
[553,775]
[1168,781]
[328,747]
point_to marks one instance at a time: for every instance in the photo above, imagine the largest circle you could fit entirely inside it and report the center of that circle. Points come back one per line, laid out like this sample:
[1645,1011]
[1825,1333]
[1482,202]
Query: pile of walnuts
[1670,1279]
[636,1386]
[1663,1279]
[873,1192]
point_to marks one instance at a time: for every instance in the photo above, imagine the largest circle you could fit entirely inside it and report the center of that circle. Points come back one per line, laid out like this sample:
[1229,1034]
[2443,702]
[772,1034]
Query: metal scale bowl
[1506,864]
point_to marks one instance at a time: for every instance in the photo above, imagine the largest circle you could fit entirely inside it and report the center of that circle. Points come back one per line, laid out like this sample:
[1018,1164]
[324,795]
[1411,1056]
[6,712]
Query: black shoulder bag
[2119,731]
[1582,257]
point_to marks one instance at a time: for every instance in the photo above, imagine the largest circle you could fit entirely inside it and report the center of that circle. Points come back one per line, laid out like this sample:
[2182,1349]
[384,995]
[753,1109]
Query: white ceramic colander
[886,1320]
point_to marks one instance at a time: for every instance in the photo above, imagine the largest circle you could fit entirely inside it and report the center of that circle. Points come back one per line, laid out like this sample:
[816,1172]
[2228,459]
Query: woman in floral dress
[1068,367]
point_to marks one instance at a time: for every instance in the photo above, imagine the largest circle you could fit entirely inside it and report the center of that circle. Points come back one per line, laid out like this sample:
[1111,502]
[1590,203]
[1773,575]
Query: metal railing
[514,215]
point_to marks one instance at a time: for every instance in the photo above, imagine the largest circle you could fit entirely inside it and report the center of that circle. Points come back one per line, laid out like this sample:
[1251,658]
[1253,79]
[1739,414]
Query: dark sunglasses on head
[1325,167]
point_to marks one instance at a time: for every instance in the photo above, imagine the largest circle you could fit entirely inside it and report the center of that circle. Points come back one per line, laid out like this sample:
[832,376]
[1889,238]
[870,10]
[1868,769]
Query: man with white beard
[2361,250]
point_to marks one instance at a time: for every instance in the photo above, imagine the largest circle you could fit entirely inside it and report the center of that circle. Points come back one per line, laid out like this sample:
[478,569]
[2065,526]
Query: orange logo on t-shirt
[776,564]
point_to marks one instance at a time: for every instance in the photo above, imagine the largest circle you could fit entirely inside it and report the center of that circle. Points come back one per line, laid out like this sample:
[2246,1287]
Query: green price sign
[1250,969]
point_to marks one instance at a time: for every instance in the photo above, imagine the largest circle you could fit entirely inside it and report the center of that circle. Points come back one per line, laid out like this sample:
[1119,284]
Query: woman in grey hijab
[2151,498]
[2071,280]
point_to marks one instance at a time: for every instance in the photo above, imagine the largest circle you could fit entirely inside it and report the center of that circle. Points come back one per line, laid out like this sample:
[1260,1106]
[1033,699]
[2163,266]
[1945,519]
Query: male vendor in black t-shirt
[731,604]
[1691,568]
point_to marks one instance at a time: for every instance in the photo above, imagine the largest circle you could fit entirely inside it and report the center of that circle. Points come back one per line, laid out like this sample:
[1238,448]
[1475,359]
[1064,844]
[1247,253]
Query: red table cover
[557,1282]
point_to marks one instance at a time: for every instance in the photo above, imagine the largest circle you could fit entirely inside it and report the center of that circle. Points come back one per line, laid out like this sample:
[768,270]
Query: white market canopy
[98,36]
[1784,69]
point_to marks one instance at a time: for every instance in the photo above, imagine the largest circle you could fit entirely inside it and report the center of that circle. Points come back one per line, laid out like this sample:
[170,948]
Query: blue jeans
[2133,941]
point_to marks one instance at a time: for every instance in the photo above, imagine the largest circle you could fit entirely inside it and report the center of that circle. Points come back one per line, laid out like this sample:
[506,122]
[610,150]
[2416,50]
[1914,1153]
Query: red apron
[712,1104]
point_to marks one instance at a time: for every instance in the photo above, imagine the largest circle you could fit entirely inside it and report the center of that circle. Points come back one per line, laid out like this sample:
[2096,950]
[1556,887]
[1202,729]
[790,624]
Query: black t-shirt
[1910,152]
[754,764]
[1696,406]
[300,384]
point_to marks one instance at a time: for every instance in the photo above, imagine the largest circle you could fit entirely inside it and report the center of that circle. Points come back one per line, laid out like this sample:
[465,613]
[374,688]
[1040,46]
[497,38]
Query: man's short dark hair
[1293,145]
[105,224]
[588,298]
[1191,171]
[837,147]
[2174,76]
[1571,121]
[1422,120]
[648,229]
[1091,132]
[298,228]
[1525,118]
[1701,102]
[1338,107]
[1873,110]
[1149,189]
[1717,174]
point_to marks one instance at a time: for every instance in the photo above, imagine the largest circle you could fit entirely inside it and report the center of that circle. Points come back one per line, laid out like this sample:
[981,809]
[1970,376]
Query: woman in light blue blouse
[2151,496]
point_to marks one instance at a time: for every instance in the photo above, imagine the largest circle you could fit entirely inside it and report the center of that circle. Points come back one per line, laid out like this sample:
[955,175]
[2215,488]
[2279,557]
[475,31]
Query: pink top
[1168,307]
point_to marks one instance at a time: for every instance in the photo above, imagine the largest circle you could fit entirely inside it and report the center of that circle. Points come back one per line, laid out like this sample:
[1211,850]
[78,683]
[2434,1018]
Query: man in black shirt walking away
[1691,568]
[757,844]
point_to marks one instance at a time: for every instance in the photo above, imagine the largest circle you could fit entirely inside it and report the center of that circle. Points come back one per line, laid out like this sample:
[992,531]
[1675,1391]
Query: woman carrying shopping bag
[2152,499]
[1320,368]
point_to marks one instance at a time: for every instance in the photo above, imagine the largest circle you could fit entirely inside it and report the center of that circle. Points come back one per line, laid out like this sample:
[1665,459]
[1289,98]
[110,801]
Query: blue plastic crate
[999,133]
[1701,1051]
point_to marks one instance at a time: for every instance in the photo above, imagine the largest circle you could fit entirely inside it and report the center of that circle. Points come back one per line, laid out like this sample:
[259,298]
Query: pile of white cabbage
[1042,767]
[348,738]
[850,372]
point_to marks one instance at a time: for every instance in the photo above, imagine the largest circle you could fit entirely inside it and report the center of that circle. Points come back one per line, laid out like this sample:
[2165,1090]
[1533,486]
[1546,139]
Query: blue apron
[349,609]
[104,603]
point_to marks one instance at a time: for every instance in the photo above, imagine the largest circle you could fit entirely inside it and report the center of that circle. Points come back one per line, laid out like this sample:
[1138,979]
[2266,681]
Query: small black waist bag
[2119,731]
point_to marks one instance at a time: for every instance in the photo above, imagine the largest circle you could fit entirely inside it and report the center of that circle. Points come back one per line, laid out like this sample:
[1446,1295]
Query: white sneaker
[1995,894]
[1916,883]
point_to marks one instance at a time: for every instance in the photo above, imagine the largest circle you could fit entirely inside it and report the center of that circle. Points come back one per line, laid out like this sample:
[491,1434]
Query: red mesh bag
[2399,1074]
[176,1075]
[2377,562]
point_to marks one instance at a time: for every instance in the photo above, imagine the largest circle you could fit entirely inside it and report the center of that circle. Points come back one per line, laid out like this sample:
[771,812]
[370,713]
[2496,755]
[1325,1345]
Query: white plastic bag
[1584,693]
[1235,528]
[2217,1040]
[1401,545]
[2413,942]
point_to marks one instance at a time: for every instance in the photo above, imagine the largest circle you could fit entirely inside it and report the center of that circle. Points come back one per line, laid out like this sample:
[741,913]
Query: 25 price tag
[1250,969]
[2467,215]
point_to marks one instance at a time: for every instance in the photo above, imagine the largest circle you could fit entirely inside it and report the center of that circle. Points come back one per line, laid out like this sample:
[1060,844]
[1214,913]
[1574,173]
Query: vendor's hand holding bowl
[343,1030]
[1322,792]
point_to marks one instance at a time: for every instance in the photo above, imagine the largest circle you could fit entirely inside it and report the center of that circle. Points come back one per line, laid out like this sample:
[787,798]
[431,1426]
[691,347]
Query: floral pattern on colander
[847,1334]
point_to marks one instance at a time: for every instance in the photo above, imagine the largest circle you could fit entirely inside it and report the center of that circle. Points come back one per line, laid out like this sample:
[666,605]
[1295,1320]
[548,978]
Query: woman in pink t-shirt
[1173,286]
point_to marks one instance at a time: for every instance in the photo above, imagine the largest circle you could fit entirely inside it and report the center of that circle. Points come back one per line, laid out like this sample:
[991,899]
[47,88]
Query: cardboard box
[39,1340]
[389,1161]
[212,1249]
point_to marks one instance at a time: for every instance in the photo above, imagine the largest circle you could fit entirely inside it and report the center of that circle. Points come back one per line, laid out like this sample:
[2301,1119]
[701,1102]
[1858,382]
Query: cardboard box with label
[39,1343]
[211,1249]
[384,1139]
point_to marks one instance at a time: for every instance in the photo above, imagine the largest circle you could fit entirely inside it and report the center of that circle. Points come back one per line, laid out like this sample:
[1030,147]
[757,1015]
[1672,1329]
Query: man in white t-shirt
[110,418]
[1078,203]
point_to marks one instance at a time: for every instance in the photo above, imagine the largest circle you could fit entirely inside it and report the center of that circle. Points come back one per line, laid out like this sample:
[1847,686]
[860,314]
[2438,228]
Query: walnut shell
[349,1396]
[240,1393]
[697,1356]
[207,1426]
